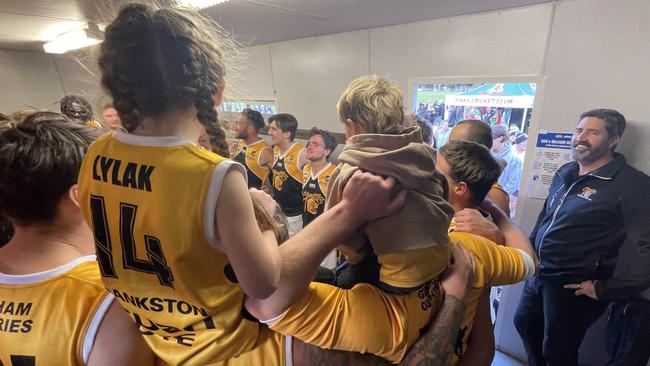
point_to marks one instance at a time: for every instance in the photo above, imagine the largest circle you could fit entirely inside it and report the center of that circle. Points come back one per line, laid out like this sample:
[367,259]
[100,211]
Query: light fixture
[200,4]
[75,39]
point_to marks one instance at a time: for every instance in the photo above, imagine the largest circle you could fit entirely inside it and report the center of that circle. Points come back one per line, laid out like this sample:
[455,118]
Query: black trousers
[552,322]
[628,334]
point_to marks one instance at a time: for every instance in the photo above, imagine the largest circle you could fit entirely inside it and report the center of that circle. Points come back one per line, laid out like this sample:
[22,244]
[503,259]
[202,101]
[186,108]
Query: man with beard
[252,151]
[591,238]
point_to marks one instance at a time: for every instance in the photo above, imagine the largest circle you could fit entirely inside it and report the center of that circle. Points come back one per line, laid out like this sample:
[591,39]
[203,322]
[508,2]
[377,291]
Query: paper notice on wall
[552,150]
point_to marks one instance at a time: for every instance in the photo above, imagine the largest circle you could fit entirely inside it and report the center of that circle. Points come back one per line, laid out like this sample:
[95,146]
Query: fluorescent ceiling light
[74,39]
[200,4]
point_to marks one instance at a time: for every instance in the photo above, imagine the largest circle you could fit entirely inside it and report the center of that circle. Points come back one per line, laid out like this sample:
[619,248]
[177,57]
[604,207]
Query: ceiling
[26,24]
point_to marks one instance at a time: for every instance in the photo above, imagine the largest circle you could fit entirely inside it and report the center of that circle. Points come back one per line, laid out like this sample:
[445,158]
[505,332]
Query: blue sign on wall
[555,140]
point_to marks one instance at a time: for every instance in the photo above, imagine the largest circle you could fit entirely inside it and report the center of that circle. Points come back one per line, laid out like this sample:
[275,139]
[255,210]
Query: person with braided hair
[169,218]
[78,109]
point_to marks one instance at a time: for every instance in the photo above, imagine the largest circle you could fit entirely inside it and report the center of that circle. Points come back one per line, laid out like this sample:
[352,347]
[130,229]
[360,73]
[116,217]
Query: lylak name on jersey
[131,175]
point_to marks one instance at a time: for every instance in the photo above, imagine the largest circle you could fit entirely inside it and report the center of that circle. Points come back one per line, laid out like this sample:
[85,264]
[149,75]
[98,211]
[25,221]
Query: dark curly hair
[39,162]
[76,108]
[155,59]
[253,117]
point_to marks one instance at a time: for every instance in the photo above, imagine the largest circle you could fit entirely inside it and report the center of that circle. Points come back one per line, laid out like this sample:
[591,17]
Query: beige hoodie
[424,220]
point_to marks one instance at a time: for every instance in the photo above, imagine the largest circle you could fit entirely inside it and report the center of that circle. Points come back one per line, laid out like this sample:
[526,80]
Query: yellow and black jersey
[362,319]
[495,265]
[51,317]
[249,157]
[93,123]
[151,204]
[314,191]
[498,186]
[367,319]
[287,179]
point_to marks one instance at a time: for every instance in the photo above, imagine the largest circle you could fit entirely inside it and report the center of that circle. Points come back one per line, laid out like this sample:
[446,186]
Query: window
[444,105]
[266,107]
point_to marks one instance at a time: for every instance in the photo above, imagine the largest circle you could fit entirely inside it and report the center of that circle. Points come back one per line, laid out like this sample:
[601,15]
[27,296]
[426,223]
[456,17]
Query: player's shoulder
[86,274]
[264,144]
[330,169]
[102,140]
[307,168]
[472,242]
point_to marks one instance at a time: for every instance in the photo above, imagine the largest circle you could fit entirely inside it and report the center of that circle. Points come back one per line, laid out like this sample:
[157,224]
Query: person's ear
[613,141]
[353,127]
[461,189]
[73,194]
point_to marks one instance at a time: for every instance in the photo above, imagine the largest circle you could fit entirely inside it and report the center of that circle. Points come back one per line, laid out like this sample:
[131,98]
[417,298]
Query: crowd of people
[148,238]
[508,146]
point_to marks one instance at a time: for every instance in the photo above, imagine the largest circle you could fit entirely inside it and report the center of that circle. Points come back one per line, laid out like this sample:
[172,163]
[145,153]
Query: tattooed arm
[306,354]
[434,347]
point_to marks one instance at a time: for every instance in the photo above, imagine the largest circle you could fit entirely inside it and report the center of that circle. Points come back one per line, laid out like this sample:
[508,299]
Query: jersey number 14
[155,263]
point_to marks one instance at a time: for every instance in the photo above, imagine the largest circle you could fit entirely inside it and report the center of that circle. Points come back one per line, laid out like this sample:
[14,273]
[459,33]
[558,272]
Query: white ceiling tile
[24,22]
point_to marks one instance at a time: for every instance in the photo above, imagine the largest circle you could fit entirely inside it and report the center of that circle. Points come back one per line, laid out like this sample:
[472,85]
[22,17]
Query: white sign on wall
[262,106]
[518,101]
[552,150]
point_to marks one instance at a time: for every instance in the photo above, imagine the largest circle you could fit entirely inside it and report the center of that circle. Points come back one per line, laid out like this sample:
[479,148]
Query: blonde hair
[374,103]
[276,222]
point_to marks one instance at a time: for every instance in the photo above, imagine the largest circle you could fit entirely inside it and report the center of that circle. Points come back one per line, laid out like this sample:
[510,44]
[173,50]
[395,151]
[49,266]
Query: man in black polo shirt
[596,206]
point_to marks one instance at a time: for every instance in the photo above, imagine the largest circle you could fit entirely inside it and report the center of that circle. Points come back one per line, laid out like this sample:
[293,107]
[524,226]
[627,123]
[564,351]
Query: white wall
[253,77]
[509,42]
[39,80]
[308,75]
[79,75]
[29,79]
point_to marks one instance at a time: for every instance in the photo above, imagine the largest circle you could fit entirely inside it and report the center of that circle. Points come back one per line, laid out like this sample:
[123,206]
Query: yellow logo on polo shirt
[587,192]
